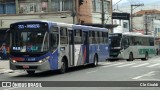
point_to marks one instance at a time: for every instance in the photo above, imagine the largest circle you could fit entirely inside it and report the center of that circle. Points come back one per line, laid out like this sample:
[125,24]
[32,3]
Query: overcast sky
[136,1]
[124,5]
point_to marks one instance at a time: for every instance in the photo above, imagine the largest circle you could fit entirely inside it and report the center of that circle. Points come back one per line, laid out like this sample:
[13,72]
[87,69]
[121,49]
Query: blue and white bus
[45,45]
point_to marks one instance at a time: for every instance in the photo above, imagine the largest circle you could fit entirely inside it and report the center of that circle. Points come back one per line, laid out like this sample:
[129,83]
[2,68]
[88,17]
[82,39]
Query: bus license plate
[25,66]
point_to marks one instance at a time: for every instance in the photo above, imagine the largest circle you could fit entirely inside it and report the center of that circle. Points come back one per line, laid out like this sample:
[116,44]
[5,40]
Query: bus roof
[66,25]
[134,34]
[89,28]
[26,21]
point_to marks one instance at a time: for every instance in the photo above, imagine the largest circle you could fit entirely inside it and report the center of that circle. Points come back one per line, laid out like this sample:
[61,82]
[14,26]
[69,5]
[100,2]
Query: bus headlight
[14,61]
[40,61]
[43,60]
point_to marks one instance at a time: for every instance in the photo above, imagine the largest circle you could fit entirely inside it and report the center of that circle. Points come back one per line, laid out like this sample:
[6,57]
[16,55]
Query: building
[19,10]
[67,11]
[156,27]
[143,21]
[90,11]
[122,20]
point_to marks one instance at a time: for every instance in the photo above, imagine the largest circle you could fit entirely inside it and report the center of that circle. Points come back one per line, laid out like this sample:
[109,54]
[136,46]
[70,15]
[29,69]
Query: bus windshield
[30,41]
[3,37]
[115,40]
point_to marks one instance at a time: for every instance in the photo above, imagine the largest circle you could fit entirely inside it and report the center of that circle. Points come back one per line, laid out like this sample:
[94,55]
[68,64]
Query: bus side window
[53,40]
[90,37]
[63,35]
[125,43]
[78,36]
[105,37]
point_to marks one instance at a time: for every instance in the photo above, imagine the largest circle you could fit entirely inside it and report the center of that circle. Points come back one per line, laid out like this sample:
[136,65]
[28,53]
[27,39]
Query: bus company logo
[6,84]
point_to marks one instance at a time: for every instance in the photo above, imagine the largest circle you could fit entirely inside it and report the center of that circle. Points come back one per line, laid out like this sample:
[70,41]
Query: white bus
[131,46]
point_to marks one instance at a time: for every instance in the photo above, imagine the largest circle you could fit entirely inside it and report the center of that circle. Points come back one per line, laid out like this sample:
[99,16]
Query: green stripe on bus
[143,51]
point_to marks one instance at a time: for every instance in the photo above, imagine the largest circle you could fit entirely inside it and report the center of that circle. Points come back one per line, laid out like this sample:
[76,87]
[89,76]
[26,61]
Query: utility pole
[133,5]
[146,23]
[74,10]
[103,13]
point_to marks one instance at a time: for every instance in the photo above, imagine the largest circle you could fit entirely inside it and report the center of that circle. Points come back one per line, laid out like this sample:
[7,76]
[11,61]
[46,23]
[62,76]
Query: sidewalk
[4,64]
[4,67]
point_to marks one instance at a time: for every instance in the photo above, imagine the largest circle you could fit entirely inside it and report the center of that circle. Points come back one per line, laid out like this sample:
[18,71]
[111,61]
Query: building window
[33,6]
[7,7]
[106,6]
[61,5]
[125,25]
[97,6]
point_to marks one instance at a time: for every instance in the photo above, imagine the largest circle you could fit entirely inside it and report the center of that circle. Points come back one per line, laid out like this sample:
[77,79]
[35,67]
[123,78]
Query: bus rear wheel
[31,72]
[95,63]
[146,57]
[130,57]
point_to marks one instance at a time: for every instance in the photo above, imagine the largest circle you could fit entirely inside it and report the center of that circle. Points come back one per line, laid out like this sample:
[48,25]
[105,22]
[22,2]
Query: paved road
[107,71]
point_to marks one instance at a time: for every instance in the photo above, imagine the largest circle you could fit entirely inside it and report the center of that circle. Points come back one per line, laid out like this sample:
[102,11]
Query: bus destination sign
[29,26]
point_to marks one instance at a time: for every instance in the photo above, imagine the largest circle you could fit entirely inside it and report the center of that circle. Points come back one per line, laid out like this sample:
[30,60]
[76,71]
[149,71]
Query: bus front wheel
[130,57]
[63,67]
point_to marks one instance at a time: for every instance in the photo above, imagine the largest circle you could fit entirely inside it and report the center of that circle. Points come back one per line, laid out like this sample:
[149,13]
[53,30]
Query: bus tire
[31,72]
[130,57]
[63,68]
[95,62]
[146,56]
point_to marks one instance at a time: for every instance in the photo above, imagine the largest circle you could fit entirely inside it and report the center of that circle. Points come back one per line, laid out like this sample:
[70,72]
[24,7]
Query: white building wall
[96,18]
[138,23]
[121,27]
[156,25]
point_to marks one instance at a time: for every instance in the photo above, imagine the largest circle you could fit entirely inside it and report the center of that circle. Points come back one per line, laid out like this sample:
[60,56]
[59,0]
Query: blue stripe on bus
[103,54]
[53,60]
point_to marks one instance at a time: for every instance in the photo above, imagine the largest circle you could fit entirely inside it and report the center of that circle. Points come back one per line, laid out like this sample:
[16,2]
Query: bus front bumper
[30,66]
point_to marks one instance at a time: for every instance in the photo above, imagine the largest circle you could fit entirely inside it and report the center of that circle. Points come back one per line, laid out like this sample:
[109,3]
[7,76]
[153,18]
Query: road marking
[112,65]
[140,65]
[154,65]
[148,74]
[92,71]
[126,65]
[105,63]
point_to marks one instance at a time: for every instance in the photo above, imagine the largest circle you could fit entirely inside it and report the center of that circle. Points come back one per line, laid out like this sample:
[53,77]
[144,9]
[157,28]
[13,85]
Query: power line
[116,3]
